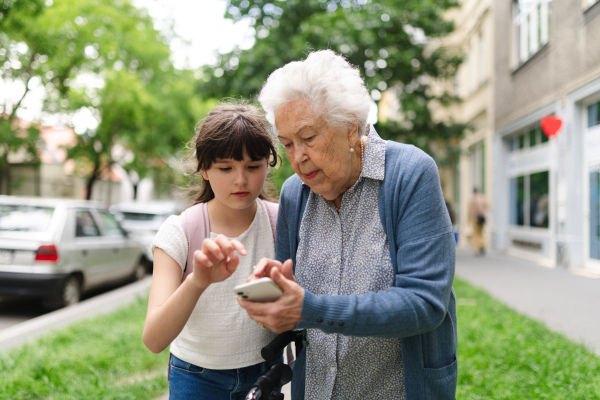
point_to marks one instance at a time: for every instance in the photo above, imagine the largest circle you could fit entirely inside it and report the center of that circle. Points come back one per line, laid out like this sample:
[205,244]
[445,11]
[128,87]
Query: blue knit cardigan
[421,307]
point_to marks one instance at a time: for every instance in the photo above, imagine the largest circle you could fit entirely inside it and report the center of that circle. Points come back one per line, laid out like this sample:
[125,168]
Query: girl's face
[236,184]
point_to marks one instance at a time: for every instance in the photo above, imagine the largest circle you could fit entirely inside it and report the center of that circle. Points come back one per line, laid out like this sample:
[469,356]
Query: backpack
[196,228]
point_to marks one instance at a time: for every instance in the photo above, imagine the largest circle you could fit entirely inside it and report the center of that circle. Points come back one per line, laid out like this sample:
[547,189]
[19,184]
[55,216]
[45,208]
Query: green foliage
[505,355]
[14,12]
[13,139]
[392,42]
[106,56]
[284,171]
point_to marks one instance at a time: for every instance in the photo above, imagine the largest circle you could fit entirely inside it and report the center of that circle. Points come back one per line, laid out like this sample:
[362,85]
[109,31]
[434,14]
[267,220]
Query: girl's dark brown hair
[225,132]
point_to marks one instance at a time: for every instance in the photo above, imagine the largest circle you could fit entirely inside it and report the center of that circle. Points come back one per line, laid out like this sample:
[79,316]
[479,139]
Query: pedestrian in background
[364,226]
[452,219]
[215,346]
[478,207]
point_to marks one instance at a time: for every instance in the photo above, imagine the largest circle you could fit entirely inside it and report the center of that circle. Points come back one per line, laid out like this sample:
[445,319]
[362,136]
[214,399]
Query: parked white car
[57,249]
[142,220]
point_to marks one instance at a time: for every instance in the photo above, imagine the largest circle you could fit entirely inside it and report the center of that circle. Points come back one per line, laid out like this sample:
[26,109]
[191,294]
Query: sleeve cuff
[331,314]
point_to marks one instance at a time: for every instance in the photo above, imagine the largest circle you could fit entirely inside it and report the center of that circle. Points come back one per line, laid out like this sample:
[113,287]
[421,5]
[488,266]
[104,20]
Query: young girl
[215,346]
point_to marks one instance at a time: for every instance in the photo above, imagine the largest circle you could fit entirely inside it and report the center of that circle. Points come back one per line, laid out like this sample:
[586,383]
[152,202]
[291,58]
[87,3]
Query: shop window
[531,26]
[594,115]
[539,190]
[529,203]
[517,199]
[595,215]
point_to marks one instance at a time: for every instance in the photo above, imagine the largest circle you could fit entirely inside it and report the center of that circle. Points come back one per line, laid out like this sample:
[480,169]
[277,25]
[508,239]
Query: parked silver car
[57,249]
[142,220]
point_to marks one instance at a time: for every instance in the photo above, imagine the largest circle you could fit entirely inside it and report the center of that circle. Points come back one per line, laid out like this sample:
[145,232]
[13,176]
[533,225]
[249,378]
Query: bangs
[231,138]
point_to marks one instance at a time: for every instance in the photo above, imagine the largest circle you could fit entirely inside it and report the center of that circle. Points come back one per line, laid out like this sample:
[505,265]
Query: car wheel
[140,270]
[70,293]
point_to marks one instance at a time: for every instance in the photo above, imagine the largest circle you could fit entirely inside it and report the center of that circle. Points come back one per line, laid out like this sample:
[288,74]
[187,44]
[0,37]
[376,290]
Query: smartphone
[261,290]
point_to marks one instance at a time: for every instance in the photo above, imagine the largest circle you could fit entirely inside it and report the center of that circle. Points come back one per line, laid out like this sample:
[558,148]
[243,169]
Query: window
[474,69]
[529,200]
[85,225]
[110,226]
[595,214]
[531,26]
[15,217]
[529,138]
[481,60]
[594,115]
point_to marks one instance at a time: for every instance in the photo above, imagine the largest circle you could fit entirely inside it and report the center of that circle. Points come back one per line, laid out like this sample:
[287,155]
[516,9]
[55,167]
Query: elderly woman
[364,225]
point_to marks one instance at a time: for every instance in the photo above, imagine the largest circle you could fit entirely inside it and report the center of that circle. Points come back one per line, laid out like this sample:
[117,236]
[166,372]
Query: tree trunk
[4,174]
[90,182]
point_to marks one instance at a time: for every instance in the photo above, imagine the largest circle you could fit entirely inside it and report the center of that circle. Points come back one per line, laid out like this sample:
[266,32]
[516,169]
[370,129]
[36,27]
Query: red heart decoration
[551,125]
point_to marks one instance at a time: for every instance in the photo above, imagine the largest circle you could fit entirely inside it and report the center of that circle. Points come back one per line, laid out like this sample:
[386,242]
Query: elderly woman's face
[319,153]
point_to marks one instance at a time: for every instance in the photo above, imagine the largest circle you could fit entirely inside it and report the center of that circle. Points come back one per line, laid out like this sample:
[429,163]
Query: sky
[201,23]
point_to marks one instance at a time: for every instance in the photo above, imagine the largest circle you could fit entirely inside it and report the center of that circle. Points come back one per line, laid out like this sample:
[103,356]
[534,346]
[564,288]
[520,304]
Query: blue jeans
[188,381]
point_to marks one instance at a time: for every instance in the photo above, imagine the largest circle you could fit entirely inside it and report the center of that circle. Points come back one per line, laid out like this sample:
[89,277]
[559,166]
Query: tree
[148,122]
[106,56]
[391,41]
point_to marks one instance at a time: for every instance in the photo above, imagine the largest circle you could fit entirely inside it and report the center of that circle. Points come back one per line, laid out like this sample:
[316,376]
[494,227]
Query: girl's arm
[171,302]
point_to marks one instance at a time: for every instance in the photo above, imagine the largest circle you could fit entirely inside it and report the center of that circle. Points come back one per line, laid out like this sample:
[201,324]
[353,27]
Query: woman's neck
[228,221]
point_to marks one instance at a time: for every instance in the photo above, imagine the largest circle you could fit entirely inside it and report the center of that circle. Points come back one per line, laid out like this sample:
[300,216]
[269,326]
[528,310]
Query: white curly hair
[332,86]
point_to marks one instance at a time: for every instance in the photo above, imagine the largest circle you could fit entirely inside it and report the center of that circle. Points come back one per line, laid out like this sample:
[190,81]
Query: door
[592,182]
[122,252]
[89,250]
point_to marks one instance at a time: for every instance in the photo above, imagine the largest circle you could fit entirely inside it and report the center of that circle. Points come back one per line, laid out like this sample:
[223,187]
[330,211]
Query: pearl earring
[351,150]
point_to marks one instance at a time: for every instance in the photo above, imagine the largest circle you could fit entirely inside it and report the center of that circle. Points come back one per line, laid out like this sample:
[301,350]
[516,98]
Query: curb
[101,304]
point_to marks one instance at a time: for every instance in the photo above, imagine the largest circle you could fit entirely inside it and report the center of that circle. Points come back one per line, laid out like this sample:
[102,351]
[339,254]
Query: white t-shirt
[219,333]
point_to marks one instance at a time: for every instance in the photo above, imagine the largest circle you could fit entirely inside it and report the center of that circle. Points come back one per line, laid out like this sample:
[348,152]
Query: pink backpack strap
[272,209]
[196,228]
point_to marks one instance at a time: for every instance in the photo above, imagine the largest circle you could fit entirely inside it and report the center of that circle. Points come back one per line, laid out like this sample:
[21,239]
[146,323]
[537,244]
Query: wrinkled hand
[216,261]
[265,266]
[284,313]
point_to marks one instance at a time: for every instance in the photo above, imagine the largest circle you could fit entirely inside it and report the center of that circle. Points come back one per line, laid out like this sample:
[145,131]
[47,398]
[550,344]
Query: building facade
[54,176]
[547,62]
[473,37]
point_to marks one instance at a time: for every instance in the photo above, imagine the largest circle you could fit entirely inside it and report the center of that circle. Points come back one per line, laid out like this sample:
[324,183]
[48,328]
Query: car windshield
[14,217]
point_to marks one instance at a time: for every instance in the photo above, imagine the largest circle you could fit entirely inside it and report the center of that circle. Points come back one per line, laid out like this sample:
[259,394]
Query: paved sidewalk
[566,302]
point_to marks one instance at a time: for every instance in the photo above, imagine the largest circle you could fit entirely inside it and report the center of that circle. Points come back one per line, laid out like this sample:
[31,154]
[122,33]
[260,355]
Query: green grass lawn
[505,355]
[502,355]
[100,358]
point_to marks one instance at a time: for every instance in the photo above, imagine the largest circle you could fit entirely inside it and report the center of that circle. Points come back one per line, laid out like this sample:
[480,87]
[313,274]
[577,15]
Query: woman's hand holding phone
[284,313]
[262,290]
